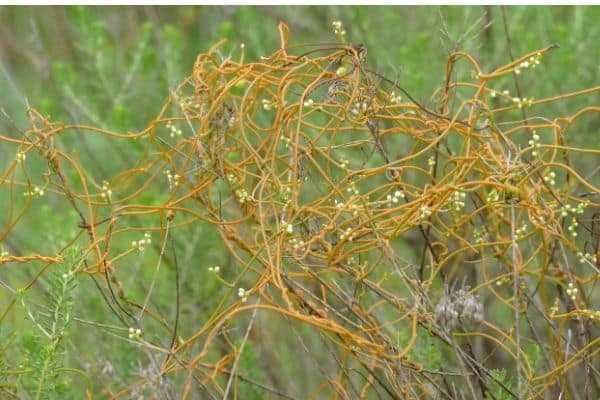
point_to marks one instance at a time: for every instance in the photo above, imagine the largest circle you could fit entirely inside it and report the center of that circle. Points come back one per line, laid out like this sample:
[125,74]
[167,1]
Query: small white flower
[243,294]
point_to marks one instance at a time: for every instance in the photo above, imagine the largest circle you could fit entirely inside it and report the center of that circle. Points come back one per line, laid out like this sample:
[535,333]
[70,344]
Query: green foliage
[425,351]
[44,350]
[8,379]
[496,390]
[108,87]
[534,355]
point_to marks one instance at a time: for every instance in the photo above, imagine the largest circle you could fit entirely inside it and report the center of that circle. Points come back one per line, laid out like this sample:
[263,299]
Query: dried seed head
[222,120]
[457,308]
[336,89]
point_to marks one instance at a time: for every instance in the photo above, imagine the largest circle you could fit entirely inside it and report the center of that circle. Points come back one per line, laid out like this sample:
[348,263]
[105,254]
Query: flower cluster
[35,193]
[424,212]
[172,178]
[531,63]
[568,209]
[242,195]
[550,178]
[554,308]
[174,131]
[479,235]
[216,269]
[140,245]
[573,227]
[285,194]
[289,228]
[243,294]
[348,207]
[187,102]
[296,243]
[395,99]
[534,142]
[106,192]
[520,232]
[581,207]
[524,102]
[286,140]
[459,307]
[431,162]
[21,157]
[493,93]
[268,105]
[135,333]
[344,162]
[232,179]
[359,108]
[352,188]
[587,257]
[572,291]
[398,194]
[458,200]
[338,29]
[347,234]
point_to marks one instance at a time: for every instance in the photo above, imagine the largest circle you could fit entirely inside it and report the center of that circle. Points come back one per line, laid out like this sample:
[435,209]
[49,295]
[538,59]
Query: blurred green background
[94,63]
[113,67]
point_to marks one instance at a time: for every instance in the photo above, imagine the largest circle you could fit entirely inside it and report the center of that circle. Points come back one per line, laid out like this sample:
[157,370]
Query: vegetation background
[112,67]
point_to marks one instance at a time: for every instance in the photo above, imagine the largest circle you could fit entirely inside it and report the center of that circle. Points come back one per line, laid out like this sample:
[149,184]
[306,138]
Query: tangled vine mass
[355,215]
